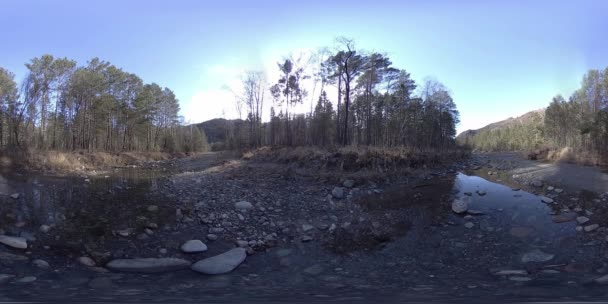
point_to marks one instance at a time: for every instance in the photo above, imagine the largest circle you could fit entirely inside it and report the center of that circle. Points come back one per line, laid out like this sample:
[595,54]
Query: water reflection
[79,207]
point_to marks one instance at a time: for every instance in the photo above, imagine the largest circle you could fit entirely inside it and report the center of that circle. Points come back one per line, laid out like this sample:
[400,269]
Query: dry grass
[60,161]
[577,156]
[357,158]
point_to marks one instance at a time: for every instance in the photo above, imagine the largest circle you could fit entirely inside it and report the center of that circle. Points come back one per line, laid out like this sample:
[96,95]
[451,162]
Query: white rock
[86,261]
[460,205]
[222,263]
[469,225]
[591,227]
[546,200]
[13,241]
[582,219]
[45,228]
[550,188]
[337,192]
[152,208]
[242,244]
[307,227]
[212,237]
[15,195]
[243,205]
[41,264]
[536,255]
[148,265]
[193,246]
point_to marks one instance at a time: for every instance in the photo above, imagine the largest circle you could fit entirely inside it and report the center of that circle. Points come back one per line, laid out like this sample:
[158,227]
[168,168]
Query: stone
[481,192]
[546,200]
[13,241]
[28,279]
[469,225]
[152,208]
[557,190]
[212,237]
[307,227]
[349,183]
[193,246]
[603,280]
[243,205]
[520,279]
[162,251]
[178,214]
[537,256]
[537,184]
[591,227]
[550,188]
[4,278]
[337,192]
[314,270]
[45,228]
[15,195]
[41,264]
[148,265]
[86,261]
[242,244]
[306,238]
[222,263]
[460,206]
[582,219]
[216,230]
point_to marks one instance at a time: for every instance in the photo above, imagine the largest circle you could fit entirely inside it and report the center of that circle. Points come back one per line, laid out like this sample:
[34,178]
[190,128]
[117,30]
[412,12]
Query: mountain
[509,134]
[217,128]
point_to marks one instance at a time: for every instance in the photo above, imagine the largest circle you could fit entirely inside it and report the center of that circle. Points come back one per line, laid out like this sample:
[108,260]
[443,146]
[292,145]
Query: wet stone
[222,263]
[536,255]
[193,246]
[460,206]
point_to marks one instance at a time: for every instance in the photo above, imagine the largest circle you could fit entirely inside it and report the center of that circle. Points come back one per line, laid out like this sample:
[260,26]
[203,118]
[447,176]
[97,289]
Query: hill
[519,133]
[217,128]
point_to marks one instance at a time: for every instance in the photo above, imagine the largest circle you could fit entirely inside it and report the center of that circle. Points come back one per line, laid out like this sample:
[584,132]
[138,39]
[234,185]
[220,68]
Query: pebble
[28,279]
[243,205]
[337,192]
[591,227]
[242,244]
[469,225]
[41,264]
[212,237]
[86,261]
[193,246]
[582,219]
[15,195]
[306,238]
[546,200]
[45,228]
[349,183]
[460,205]
[536,255]
[152,208]
[307,227]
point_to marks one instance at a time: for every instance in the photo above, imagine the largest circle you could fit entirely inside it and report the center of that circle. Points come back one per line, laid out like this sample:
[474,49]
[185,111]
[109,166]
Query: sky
[499,59]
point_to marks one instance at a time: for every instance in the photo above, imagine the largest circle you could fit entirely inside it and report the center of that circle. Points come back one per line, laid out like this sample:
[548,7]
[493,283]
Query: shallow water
[519,212]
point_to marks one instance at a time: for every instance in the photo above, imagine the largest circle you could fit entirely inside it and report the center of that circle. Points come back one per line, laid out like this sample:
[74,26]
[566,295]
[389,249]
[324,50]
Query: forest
[579,124]
[96,107]
[99,107]
[376,104]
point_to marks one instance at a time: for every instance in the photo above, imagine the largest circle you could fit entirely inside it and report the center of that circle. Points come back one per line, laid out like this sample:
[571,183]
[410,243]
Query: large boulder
[222,263]
[148,265]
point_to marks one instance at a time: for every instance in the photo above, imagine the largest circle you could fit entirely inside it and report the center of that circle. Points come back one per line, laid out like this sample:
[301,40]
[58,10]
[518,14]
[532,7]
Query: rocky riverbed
[224,228]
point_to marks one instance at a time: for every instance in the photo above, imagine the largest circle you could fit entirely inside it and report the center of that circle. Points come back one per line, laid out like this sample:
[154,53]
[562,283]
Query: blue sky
[499,58]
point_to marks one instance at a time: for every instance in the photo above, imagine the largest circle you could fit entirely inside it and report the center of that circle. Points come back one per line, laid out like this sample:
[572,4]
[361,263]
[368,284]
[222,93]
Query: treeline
[376,104]
[579,123]
[96,107]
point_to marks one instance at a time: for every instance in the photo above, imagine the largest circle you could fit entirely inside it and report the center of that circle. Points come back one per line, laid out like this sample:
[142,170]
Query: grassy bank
[78,161]
[352,159]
